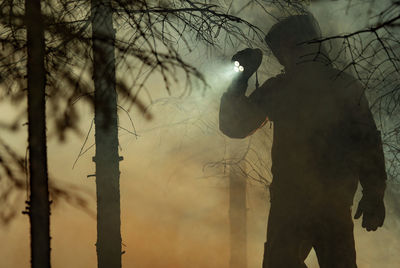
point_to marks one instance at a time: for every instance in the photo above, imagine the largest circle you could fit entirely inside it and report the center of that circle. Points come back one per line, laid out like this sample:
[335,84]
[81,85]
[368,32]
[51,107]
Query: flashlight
[237,67]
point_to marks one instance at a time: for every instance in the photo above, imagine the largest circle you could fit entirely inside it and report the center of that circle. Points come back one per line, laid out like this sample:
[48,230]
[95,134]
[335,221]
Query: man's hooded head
[288,40]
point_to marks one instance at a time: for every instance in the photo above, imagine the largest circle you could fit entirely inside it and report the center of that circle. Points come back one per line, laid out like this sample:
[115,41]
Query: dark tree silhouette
[155,27]
[39,204]
[106,131]
[24,72]
[238,216]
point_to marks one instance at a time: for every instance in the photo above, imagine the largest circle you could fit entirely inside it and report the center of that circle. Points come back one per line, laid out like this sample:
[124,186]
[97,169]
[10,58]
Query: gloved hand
[373,210]
[250,59]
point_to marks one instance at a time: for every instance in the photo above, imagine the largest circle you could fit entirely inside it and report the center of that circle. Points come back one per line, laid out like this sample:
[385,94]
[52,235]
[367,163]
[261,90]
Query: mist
[174,184]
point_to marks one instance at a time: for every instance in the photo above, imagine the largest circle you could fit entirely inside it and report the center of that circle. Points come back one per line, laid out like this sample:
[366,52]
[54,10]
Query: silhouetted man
[325,141]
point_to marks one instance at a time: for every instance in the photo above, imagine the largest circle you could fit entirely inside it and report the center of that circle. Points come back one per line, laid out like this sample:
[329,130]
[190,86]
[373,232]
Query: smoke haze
[174,197]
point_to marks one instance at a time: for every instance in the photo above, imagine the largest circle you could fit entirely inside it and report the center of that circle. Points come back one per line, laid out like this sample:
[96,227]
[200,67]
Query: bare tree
[153,29]
[238,216]
[39,204]
[150,35]
[24,55]
[106,131]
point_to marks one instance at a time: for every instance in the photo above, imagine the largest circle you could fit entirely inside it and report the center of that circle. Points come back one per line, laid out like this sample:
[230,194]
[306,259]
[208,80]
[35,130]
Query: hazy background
[174,204]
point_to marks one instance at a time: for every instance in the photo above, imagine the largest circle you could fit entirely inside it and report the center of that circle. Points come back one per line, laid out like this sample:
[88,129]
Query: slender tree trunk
[39,205]
[238,217]
[106,128]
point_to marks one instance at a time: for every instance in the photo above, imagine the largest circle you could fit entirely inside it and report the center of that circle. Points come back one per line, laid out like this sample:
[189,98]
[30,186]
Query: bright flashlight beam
[237,67]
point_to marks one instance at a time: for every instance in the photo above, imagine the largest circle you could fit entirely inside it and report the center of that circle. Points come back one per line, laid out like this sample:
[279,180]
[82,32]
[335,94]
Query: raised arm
[239,115]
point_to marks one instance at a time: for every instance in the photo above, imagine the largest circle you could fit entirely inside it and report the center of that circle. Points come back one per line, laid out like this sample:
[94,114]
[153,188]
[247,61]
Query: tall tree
[25,54]
[152,27]
[39,205]
[238,216]
[156,30]
[106,137]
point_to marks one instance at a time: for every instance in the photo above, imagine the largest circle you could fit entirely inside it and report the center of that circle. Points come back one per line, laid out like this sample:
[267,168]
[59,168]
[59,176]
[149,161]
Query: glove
[250,59]
[373,211]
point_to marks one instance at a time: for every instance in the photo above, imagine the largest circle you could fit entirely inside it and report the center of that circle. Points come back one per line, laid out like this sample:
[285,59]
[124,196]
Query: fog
[174,189]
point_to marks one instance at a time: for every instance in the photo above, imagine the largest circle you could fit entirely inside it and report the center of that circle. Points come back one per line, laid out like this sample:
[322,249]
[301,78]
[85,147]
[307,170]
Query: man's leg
[334,244]
[287,243]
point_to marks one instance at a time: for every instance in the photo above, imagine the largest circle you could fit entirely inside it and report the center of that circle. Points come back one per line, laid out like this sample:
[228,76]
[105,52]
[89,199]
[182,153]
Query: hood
[291,33]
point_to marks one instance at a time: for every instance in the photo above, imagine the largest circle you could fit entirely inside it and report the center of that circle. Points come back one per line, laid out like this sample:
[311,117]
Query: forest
[111,149]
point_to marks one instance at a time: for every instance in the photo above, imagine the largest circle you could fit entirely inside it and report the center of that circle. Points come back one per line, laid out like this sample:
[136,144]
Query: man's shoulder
[346,85]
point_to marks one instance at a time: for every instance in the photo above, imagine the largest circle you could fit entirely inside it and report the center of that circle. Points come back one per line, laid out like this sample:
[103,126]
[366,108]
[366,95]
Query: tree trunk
[39,205]
[237,217]
[106,128]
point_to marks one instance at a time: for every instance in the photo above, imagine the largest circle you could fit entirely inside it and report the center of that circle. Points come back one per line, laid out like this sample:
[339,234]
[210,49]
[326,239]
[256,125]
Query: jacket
[324,139]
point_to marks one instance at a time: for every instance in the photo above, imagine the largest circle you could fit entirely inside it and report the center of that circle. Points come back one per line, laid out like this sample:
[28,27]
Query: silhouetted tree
[24,70]
[106,132]
[153,29]
[39,204]
[238,216]
[150,34]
